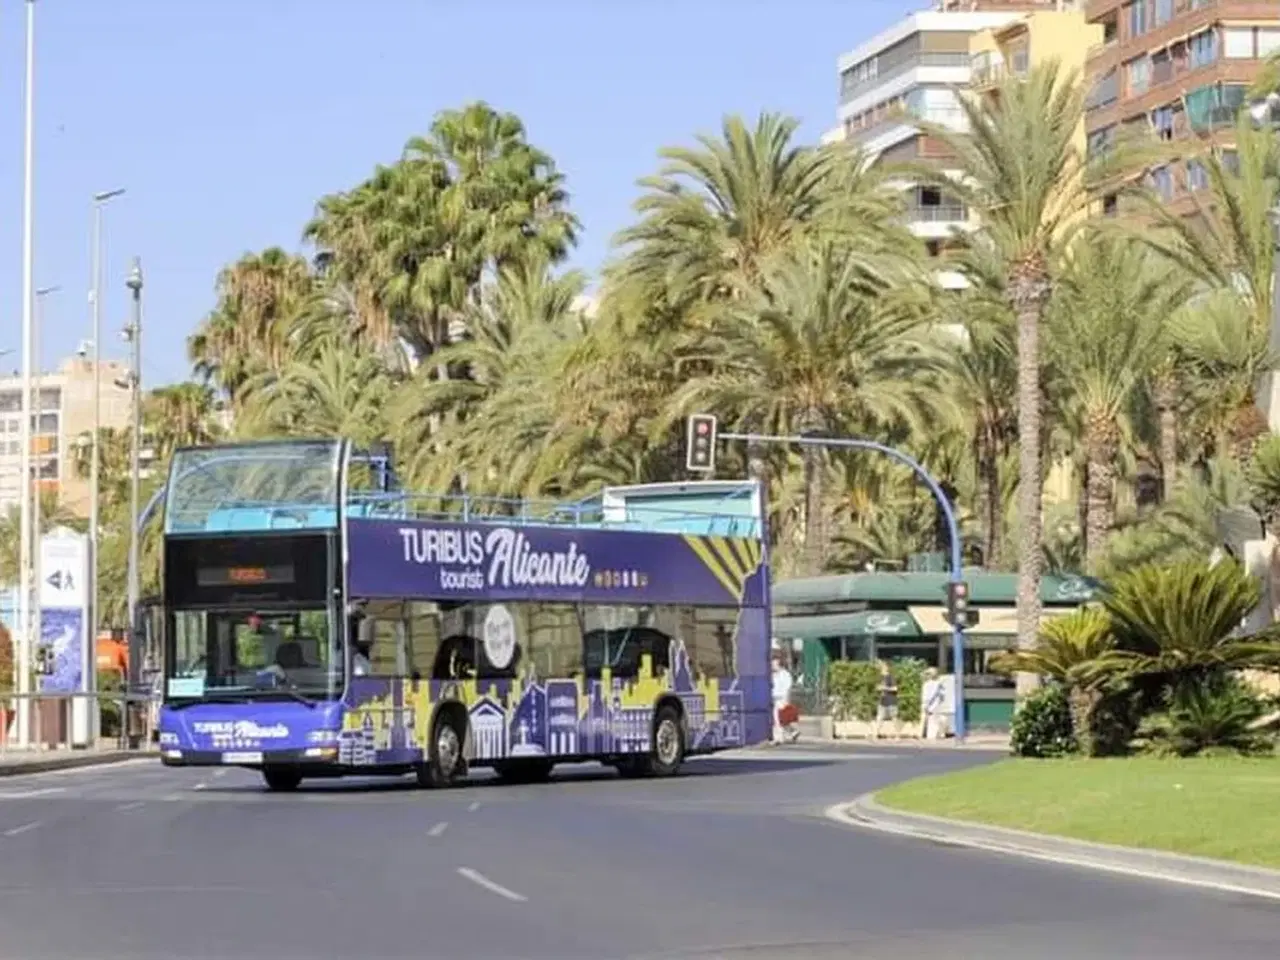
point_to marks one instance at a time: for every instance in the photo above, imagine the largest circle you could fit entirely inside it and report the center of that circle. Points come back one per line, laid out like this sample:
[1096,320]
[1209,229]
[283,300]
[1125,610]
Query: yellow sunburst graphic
[732,560]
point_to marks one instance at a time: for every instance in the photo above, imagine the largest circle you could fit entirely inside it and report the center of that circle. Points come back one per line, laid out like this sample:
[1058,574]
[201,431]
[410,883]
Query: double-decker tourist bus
[316,621]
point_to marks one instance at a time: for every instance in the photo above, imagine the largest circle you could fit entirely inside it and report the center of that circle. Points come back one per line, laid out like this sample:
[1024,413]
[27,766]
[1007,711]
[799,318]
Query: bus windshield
[245,653]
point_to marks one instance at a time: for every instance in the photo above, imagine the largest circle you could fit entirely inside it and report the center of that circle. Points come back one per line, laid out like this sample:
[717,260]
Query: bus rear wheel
[667,753]
[445,763]
[282,779]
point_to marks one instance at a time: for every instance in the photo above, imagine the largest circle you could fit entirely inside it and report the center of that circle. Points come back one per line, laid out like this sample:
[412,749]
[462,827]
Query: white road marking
[22,829]
[200,786]
[480,880]
[474,807]
[27,794]
[220,773]
[130,806]
[438,829]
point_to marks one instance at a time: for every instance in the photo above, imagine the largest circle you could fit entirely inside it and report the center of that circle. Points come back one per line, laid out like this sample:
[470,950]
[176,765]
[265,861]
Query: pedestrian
[887,707]
[783,723]
[933,696]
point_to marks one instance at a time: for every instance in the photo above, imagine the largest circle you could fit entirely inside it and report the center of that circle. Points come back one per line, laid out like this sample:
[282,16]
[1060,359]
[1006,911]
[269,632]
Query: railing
[944,213]
[125,722]
[854,90]
[590,513]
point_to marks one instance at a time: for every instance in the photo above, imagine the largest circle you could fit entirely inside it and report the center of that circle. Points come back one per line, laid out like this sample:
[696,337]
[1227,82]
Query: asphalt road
[733,860]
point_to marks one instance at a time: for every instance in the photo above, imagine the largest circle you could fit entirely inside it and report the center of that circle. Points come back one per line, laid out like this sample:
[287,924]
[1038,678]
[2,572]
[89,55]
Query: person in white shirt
[782,682]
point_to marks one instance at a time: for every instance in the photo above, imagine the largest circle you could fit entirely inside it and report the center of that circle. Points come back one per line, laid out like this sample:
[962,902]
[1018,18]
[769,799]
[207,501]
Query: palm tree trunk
[1082,503]
[816,534]
[1102,444]
[1028,293]
[990,502]
[1166,398]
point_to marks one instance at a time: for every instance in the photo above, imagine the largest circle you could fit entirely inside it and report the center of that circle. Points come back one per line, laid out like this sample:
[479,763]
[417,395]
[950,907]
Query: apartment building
[916,70]
[64,413]
[1179,67]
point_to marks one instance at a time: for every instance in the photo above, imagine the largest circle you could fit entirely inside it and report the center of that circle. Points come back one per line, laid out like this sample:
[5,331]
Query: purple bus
[316,621]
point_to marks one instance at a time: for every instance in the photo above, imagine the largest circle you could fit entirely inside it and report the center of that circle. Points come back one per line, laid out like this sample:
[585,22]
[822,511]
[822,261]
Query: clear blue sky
[227,119]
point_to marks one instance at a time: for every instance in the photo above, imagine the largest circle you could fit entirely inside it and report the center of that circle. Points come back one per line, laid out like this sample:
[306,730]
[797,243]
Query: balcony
[851,90]
[938,213]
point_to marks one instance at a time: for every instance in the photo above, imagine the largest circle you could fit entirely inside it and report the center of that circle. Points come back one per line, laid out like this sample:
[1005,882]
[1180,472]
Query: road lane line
[22,829]
[438,829]
[28,794]
[474,807]
[480,880]
[200,786]
[130,806]
[220,773]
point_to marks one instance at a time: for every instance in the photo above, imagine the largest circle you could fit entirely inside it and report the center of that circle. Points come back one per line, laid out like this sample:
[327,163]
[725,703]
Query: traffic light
[958,603]
[700,454]
[44,661]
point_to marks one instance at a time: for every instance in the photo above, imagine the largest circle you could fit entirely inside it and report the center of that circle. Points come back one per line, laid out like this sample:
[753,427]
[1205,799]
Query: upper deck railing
[300,485]
[709,507]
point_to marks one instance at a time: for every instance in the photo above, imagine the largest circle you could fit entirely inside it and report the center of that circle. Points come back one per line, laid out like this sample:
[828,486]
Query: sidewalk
[1148,864]
[14,762]
[998,743]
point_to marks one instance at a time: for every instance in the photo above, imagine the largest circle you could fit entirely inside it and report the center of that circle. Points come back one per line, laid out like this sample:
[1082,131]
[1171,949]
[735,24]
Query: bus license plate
[244,757]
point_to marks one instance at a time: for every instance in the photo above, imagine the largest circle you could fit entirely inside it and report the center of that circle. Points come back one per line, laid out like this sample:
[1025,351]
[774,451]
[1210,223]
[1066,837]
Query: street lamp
[133,333]
[24,658]
[88,663]
[1263,112]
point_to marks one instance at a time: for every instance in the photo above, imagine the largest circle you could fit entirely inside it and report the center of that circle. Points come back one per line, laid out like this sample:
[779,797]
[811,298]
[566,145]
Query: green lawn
[1220,807]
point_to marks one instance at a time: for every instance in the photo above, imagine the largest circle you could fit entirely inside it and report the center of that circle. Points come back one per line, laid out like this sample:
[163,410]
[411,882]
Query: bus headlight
[322,736]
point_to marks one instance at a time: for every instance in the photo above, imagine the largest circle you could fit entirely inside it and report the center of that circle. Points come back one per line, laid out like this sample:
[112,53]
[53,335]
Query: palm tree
[1182,623]
[1068,652]
[53,513]
[1021,173]
[248,331]
[823,346]
[180,415]
[1110,307]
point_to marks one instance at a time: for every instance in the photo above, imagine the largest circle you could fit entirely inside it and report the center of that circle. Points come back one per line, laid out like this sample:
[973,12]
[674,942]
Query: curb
[1220,875]
[47,765]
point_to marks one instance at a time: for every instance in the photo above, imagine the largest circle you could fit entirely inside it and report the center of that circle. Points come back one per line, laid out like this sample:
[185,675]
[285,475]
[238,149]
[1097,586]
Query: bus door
[379,661]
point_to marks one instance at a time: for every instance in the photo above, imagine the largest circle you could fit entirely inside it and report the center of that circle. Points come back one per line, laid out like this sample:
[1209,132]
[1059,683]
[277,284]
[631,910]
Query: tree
[823,346]
[1021,173]
[248,331]
[1112,303]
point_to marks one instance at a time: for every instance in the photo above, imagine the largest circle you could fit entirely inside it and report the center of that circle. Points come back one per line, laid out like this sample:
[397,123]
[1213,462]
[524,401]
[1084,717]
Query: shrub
[6,660]
[1042,725]
[908,673]
[1214,713]
[854,685]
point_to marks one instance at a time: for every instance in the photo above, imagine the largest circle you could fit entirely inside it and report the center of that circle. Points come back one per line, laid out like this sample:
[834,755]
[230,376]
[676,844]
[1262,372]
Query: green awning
[864,623]
[985,589]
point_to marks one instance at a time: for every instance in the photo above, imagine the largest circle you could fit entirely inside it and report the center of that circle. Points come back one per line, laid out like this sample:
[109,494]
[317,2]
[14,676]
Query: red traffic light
[703,427]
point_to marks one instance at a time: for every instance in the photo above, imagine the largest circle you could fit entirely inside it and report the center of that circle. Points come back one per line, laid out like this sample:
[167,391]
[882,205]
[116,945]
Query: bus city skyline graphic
[557,717]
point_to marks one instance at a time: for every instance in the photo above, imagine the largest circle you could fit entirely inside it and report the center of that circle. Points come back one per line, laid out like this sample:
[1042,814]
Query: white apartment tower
[916,70]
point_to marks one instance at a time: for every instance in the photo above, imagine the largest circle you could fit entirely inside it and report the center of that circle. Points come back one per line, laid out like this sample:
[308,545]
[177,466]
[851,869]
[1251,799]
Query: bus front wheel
[281,779]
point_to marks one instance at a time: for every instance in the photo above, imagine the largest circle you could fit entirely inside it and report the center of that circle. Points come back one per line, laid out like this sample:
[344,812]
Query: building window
[1237,43]
[1100,141]
[1162,122]
[1139,75]
[1164,11]
[1204,49]
[1138,24]
[1160,180]
[1268,42]
[1197,176]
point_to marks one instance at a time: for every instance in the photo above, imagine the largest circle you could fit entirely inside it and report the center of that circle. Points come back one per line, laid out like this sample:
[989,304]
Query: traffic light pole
[948,511]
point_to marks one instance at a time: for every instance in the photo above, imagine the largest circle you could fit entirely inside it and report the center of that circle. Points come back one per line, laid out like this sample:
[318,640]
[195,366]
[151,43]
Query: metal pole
[953,530]
[24,435]
[37,615]
[133,333]
[89,663]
